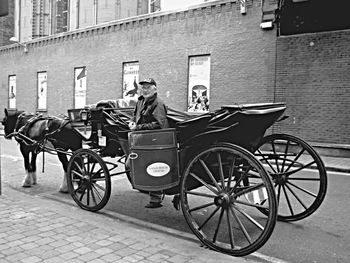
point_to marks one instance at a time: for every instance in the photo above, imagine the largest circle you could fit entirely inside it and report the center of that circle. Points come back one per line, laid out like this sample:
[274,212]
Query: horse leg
[27,182]
[64,160]
[32,167]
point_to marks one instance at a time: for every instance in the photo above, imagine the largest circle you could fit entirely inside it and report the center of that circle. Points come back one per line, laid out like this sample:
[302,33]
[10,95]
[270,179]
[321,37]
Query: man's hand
[132,126]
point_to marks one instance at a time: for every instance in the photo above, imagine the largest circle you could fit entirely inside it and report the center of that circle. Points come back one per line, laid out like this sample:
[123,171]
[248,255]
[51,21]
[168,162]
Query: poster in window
[199,84]
[42,90]
[130,82]
[12,92]
[80,87]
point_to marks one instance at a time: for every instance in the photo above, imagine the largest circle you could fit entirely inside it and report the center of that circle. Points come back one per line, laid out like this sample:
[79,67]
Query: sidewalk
[34,229]
[336,164]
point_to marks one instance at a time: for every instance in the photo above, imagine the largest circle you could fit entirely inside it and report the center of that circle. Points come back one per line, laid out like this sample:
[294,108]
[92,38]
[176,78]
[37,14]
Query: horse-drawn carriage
[233,182]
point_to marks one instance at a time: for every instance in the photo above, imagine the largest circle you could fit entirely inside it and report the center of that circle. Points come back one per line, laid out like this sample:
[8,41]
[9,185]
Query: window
[40,19]
[154,6]
[130,81]
[60,17]
[80,87]
[42,91]
[12,91]
[199,83]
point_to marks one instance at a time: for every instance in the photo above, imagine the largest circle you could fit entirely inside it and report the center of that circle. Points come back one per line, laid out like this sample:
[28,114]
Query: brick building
[7,25]
[308,71]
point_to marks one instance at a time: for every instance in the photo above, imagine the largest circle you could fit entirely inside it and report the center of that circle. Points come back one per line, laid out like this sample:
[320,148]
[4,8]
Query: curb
[338,169]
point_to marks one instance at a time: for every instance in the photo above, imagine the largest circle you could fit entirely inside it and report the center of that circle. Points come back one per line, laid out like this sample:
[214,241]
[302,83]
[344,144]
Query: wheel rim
[88,180]
[215,197]
[299,189]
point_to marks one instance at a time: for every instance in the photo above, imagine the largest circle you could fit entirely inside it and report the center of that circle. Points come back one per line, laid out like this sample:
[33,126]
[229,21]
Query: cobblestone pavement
[34,229]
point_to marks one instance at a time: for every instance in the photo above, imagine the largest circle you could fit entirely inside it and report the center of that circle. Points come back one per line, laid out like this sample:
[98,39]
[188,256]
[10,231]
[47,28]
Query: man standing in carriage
[150,113]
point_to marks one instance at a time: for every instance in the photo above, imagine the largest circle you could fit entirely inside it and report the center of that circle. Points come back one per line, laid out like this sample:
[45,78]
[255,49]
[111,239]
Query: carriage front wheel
[88,179]
[221,189]
[300,190]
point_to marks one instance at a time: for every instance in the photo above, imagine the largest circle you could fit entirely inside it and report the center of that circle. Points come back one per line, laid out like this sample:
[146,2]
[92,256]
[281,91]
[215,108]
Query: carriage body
[221,164]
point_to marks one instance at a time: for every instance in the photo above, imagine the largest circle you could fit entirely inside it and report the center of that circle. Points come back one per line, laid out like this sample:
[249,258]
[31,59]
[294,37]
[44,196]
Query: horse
[39,128]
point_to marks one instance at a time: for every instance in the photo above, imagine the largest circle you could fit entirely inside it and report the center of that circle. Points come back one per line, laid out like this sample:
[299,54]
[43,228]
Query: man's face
[148,90]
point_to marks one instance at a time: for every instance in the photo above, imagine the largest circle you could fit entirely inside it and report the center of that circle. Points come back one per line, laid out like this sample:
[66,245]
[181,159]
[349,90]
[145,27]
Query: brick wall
[242,58]
[312,70]
[313,79]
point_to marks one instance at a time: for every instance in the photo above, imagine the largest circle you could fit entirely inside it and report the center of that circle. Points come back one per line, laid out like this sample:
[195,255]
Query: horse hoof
[64,191]
[34,179]
[25,185]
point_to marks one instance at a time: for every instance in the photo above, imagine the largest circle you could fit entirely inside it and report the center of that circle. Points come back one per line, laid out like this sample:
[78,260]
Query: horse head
[9,121]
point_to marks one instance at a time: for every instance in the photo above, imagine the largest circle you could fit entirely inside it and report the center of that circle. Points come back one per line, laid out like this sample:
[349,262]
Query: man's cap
[149,81]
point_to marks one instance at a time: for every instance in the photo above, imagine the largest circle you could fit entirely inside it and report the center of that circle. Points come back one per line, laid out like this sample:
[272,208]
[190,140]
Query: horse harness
[23,131]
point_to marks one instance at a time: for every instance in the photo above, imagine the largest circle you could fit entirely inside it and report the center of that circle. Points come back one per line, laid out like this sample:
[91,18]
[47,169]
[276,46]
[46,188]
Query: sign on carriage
[158,169]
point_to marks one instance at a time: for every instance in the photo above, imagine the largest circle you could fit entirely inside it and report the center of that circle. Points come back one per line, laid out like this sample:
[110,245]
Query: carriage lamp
[83,115]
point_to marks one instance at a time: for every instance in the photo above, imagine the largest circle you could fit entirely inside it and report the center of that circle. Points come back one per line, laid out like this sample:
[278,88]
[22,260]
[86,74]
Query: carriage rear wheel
[221,189]
[88,178]
[299,189]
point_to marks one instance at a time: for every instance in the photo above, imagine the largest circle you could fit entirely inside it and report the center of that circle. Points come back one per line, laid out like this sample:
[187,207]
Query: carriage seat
[187,124]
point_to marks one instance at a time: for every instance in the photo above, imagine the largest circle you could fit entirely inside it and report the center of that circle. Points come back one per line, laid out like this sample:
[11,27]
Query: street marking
[268,258]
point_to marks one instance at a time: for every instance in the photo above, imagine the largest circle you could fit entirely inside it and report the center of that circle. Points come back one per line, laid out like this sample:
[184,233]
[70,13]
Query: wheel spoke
[207,220]
[218,225]
[267,161]
[303,179]
[278,193]
[83,163]
[220,170]
[76,173]
[88,196]
[295,160]
[288,201]
[300,168]
[93,167]
[232,168]
[232,241]
[79,187]
[96,191]
[200,207]
[93,195]
[88,167]
[212,189]
[83,193]
[97,172]
[302,189]
[210,174]
[79,167]
[238,182]
[100,187]
[256,223]
[297,197]
[249,189]
[250,204]
[285,155]
[200,194]
[275,153]
[98,179]
[241,226]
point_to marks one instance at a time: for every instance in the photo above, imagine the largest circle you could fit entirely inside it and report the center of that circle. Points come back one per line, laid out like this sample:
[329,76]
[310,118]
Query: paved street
[322,236]
[34,229]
